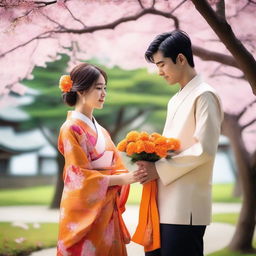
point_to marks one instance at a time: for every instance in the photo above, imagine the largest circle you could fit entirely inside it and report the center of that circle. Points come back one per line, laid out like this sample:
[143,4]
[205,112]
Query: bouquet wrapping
[141,146]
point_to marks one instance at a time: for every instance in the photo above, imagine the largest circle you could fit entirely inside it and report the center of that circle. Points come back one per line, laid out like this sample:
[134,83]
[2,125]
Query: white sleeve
[208,118]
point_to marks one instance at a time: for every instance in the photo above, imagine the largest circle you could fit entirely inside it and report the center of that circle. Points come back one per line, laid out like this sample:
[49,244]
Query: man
[184,182]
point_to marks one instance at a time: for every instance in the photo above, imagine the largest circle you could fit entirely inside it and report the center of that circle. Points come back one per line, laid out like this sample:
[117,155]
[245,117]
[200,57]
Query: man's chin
[171,83]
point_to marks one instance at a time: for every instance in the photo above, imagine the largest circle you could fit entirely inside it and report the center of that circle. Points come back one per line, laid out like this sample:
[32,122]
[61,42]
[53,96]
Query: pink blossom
[61,3]
[36,225]
[24,23]
[20,225]
[19,240]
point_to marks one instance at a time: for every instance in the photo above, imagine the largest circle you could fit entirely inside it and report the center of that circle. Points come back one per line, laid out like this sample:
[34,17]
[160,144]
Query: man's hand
[150,169]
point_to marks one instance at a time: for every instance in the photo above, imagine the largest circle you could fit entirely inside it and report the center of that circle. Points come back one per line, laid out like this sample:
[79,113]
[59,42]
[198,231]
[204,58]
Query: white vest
[184,189]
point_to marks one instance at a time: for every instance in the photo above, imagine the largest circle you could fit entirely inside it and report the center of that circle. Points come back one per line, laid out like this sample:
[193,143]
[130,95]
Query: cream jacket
[194,116]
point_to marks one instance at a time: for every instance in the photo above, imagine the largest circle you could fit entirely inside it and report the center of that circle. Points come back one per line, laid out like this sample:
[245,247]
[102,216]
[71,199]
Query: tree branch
[53,21]
[117,22]
[130,120]
[49,137]
[72,15]
[43,3]
[221,9]
[242,77]
[248,124]
[141,5]
[214,56]
[178,6]
[245,108]
[223,30]
[40,36]
[119,118]
[37,4]
[153,3]
[91,29]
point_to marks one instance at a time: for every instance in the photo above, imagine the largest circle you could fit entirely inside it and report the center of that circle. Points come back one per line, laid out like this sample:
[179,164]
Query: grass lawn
[34,238]
[226,252]
[43,195]
[26,196]
[230,218]
[223,193]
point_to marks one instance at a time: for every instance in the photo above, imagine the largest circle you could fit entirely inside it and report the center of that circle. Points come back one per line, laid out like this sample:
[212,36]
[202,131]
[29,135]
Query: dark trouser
[180,240]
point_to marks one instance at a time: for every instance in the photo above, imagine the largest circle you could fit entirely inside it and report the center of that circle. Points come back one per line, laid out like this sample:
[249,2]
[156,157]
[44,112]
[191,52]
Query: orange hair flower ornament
[65,83]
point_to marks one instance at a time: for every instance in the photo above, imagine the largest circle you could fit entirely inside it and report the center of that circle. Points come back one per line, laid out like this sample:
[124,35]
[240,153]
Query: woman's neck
[84,110]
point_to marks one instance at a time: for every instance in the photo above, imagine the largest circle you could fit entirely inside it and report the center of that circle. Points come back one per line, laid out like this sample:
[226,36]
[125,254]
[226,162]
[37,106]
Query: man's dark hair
[171,44]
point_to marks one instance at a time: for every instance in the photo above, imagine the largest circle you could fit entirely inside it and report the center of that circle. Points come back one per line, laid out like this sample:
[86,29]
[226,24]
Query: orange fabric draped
[147,232]
[90,212]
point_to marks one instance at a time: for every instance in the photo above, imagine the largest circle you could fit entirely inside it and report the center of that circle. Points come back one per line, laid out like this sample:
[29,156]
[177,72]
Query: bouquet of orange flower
[147,147]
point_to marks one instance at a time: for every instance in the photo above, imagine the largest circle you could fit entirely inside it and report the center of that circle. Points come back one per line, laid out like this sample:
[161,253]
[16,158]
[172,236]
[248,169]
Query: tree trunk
[237,191]
[59,183]
[243,236]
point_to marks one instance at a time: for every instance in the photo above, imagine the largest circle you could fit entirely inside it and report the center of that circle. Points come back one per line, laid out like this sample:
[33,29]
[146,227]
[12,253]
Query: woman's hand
[127,178]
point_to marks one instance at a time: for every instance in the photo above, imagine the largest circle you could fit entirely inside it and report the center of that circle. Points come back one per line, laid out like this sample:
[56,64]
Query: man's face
[170,71]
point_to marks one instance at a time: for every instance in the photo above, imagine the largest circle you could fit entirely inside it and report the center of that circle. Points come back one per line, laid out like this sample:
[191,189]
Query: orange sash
[147,232]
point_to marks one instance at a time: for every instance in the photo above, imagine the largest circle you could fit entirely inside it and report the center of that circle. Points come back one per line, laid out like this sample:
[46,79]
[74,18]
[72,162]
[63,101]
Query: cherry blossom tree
[118,32]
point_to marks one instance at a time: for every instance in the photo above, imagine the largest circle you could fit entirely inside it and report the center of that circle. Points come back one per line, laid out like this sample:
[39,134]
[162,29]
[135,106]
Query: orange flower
[132,136]
[173,144]
[155,135]
[149,147]
[161,151]
[121,146]
[131,148]
[160,141]
[140,146]
[65,83]
[144,136]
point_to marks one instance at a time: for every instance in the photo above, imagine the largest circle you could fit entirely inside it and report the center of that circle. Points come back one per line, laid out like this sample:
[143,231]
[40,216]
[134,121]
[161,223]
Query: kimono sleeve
[208,118]
[84,189]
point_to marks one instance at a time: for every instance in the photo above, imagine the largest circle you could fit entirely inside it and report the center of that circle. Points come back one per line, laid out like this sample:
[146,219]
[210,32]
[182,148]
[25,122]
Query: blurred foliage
[35,237]
[134,91]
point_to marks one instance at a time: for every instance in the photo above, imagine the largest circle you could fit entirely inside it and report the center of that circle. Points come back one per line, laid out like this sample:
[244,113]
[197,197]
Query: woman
[95,180]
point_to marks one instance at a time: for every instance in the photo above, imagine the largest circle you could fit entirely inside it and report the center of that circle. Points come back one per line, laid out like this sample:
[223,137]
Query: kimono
[91,223]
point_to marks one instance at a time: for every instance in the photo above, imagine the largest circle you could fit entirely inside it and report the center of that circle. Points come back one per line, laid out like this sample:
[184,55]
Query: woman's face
[95,97]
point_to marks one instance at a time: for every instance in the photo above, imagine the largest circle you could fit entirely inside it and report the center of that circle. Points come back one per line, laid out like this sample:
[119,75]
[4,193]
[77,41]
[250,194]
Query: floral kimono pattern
[90,212]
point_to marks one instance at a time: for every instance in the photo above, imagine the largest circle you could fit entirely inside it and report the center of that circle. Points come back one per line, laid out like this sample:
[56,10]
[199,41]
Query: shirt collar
[195,81]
